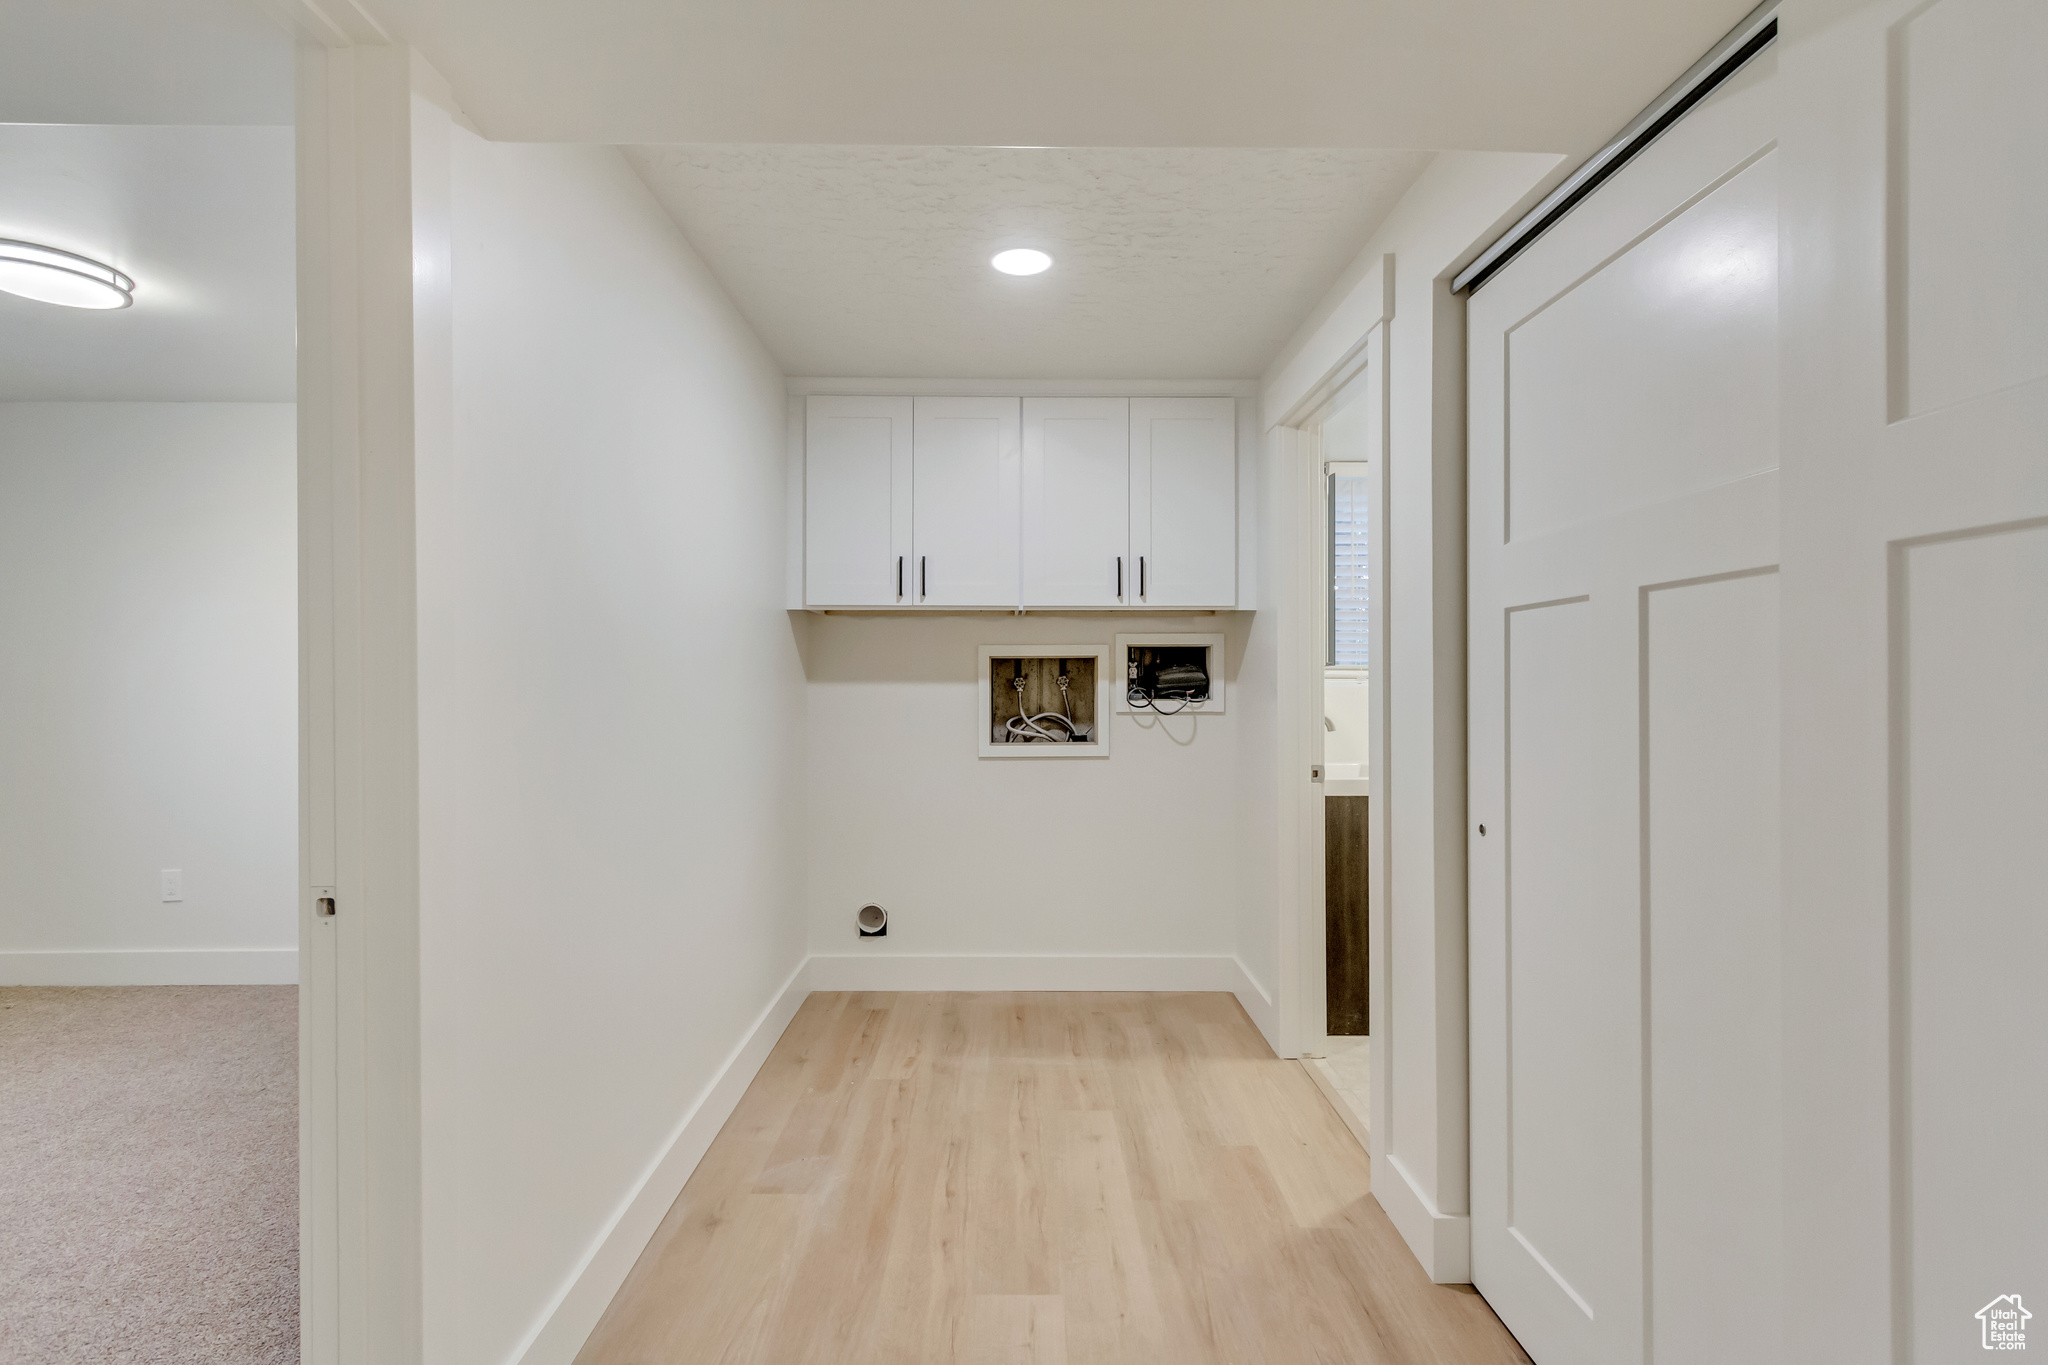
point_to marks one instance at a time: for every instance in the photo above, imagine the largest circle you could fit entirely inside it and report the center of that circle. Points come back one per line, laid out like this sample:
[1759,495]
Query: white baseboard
[566,1325]
[153,967]
[570,1319]
[1337,1102]
[1024,972]
[1441,1241]
[1258,1003]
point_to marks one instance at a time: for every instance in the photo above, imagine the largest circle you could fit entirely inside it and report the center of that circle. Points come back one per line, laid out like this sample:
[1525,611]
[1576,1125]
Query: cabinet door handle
[1141,575]
[1119,578]
[899,576]
[920,576]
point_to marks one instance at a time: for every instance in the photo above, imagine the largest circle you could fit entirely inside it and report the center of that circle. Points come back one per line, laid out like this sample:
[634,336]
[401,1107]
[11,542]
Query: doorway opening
[1347,466]
[149,761]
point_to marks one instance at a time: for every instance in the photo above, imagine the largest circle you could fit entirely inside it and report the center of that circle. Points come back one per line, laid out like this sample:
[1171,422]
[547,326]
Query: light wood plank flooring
[1034,1179]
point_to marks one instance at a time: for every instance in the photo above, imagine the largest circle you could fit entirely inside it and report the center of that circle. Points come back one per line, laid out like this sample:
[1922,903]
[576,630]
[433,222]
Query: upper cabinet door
[965,521]
[857,508]
[1184,502]
[1077,503]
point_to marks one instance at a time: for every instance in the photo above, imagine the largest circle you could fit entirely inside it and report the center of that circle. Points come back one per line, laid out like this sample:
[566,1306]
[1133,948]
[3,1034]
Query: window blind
[1350,639]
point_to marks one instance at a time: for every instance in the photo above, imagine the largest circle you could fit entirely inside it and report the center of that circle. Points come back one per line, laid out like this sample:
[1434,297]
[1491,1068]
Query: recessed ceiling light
[1021,261]
[48,275]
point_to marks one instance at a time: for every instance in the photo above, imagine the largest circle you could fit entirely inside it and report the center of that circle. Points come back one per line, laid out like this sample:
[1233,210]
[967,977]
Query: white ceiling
[1507,75]
[1171,263]
[852,167]
[144,61]
[847,169]
[202,218]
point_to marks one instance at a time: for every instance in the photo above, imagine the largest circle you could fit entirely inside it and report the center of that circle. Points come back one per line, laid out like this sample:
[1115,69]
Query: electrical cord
[1142,700]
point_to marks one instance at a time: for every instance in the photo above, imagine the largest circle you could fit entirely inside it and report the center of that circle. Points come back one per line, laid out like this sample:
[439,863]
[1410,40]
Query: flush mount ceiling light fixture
[1021,261]
[48,275]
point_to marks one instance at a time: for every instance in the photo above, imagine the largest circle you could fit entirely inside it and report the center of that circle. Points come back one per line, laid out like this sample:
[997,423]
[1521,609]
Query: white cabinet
[991,504]
[1076,525]
[964,496]
[1184,501]
[857,508]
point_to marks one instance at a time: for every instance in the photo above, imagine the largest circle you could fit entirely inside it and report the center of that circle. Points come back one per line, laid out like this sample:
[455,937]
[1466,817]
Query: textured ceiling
[1480,75]
[203,218]
[1171,262]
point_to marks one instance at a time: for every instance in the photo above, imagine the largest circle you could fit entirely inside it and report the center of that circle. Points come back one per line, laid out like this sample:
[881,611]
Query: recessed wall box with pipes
[1165,675]
[1035,703]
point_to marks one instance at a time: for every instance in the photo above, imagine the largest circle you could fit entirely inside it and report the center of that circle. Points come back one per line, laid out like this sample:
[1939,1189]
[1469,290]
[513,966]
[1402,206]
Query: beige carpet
[149,1199]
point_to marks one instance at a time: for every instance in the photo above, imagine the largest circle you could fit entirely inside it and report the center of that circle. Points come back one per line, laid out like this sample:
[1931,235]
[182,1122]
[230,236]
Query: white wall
[1419,1002]
[1131,854]
[1258,779]
[148,692]
[611,731]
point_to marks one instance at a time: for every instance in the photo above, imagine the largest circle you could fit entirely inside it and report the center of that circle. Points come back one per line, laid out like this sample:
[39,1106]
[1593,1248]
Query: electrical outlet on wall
[173,884]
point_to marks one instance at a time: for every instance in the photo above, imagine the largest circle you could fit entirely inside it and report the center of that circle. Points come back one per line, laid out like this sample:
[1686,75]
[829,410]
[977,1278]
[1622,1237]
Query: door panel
[1077,502]
[1916,615]
[1573,1164]
[1975,116]
[1710,768]
[1623,437]
[1184,501]
[966,456]
[1973,664]
[857,469]
[1666,348]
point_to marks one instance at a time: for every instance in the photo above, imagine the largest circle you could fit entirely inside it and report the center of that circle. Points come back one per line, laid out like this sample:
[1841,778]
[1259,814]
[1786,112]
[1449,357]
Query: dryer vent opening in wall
[872,921]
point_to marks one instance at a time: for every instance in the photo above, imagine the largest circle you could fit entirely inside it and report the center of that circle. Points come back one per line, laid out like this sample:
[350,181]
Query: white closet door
[1916,675]
[1077,502]
[965,520]
[1624,750]
[1184,502]
[857,469]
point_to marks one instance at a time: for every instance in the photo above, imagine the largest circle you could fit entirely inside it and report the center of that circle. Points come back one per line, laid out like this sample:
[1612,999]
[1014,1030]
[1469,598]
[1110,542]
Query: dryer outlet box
[1142,661]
